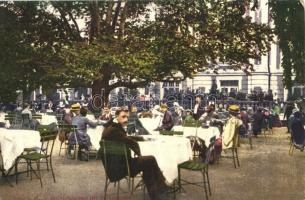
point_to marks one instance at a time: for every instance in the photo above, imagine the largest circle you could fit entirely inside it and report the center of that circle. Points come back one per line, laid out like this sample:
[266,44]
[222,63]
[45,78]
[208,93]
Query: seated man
[298,132]
[153,177]
[134,124]
[209,114]
[106,114]
[83,139]
[167,121]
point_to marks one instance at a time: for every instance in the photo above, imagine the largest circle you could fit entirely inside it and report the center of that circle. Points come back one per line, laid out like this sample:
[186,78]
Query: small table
[169,151]
[12,144]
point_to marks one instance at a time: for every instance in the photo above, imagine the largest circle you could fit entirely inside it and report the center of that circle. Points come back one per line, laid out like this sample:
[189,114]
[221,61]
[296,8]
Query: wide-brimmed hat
[75,107]
[234,108]
[163,106]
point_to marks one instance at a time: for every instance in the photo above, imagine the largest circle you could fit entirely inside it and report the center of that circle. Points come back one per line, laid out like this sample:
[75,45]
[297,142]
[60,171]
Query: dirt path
[267,172]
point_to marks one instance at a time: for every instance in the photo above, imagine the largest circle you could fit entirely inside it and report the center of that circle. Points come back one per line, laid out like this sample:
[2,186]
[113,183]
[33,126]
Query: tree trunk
[95,25]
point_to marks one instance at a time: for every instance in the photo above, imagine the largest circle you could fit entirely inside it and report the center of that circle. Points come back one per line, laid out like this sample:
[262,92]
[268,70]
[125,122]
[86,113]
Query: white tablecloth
[150,124]
[2,117]
[203,133]
[47,119]
[169,151]
[95,135]
[13,142]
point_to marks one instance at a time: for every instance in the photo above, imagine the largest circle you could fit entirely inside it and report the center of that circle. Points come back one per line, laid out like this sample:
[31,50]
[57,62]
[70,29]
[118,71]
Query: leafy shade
[289,23]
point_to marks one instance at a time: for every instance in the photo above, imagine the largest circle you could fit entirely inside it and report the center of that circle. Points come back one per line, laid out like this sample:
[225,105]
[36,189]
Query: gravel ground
[267,172]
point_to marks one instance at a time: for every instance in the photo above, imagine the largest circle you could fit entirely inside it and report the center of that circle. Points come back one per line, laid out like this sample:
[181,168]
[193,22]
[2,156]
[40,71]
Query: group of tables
[169,151]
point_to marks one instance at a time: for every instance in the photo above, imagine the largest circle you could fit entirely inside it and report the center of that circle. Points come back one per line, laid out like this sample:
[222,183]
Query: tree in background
[289,20]
[124,45]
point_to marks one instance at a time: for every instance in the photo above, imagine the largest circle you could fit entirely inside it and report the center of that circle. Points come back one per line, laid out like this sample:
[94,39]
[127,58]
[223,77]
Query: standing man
[198,109]
[152,175]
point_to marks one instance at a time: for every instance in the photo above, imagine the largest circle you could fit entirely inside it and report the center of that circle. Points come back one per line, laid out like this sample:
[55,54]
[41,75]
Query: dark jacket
[298,132]
[200,111]
[114,131]
[167,122]
[116,164]
[135,124]
[258,119]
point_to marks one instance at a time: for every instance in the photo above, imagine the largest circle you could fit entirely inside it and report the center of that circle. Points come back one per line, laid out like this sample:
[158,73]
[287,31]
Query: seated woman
[298,132]
[189,117]
[82,137]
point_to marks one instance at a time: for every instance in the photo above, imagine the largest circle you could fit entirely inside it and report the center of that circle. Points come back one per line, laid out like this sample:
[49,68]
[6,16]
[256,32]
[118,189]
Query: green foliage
[120,41]
[289,20]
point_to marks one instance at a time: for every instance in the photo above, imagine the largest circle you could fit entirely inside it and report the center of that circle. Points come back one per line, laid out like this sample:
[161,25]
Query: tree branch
[130,85]
[116,15]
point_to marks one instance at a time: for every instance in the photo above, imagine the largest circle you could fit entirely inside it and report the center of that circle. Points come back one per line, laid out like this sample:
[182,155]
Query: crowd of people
[124,125]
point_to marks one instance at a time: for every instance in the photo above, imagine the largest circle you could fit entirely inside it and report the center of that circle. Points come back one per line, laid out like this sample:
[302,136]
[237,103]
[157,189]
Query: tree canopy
[289,20]
[109,44]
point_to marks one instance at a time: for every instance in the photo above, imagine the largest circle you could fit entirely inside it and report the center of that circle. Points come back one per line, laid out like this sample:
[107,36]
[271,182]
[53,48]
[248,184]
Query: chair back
[36,116]
[171,132]
[47,142]
[67,128]
[115,158]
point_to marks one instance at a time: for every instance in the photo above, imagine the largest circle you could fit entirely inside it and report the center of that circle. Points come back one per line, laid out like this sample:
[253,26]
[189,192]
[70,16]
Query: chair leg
[47,162]
[237,157]
[208,180]
[38,170]
[52,170]
[16,170]
[179,179]
[105,189]
[233,156]
[60,148]
[31,169]
[205,186]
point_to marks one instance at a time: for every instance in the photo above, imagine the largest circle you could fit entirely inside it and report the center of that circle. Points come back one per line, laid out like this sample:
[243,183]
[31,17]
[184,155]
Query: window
[165,84]
[177,84]
[171,84]
[201,89]
[278,57]
[229,83]
[257,61]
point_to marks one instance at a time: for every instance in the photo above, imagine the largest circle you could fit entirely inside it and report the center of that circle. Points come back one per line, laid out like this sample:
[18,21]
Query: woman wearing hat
[230,133]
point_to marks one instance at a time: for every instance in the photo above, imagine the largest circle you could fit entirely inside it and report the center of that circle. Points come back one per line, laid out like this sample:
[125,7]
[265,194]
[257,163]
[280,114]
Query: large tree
[131,43]
[289,20]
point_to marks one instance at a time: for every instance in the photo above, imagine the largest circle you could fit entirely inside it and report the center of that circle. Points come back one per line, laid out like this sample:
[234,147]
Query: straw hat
[75,107]
[234,108]
[163,106]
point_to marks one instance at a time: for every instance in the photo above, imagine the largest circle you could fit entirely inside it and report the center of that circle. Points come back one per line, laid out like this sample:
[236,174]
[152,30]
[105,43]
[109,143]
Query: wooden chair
[48,138]
[198,166]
